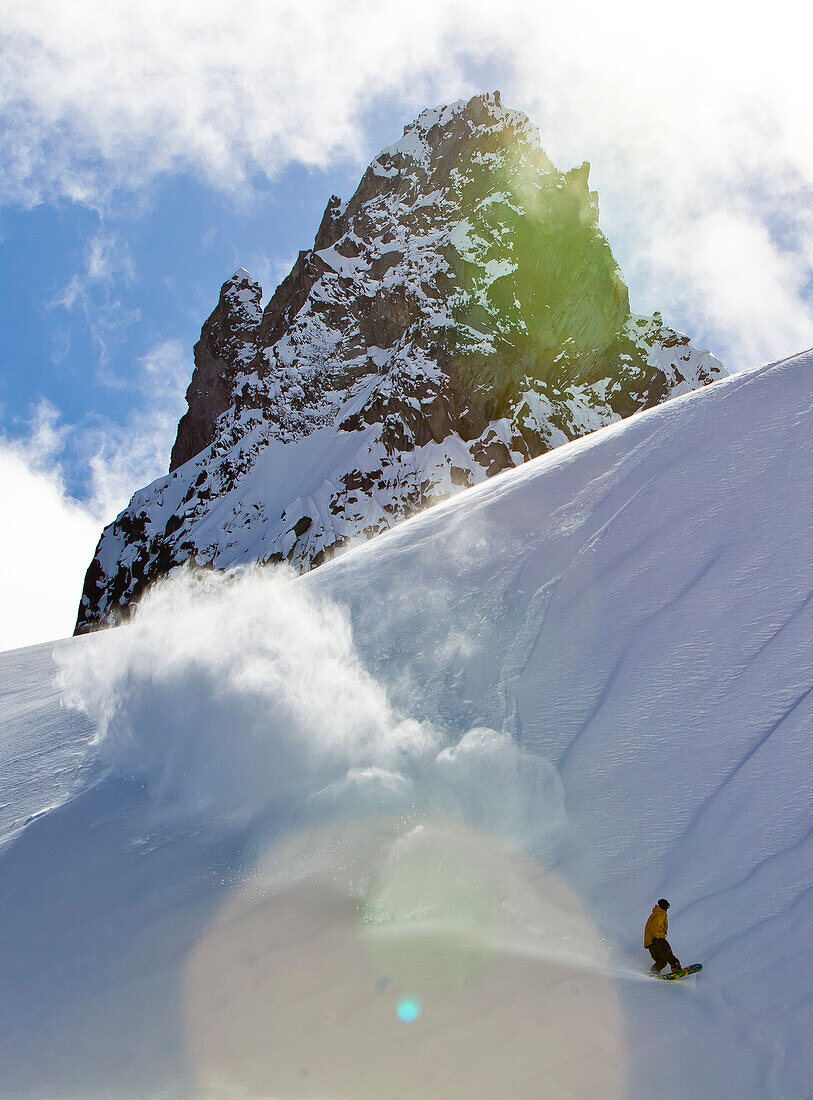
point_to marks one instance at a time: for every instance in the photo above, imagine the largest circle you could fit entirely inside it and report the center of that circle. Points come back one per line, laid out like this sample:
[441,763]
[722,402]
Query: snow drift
[286,806]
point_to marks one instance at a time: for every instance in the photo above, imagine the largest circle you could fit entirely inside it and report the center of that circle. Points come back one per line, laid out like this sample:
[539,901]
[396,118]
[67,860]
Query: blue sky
[146,154]
[88,296]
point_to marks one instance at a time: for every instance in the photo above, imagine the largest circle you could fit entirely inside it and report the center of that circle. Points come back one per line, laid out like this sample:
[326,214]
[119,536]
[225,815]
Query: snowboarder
[655,940]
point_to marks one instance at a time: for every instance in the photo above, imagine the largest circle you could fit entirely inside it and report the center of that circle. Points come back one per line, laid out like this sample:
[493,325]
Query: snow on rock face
[226,344]
[461,314]
[285,804]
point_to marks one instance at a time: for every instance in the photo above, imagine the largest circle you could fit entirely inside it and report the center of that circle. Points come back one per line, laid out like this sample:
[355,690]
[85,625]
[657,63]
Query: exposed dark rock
[226,343]
[461,314]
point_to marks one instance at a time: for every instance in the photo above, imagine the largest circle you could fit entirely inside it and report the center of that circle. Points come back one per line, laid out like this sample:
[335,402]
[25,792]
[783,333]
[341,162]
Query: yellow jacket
[657,926]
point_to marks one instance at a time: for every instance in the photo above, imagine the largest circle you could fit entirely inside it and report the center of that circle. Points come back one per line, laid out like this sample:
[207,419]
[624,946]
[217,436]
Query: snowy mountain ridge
[461,314]
[456,765]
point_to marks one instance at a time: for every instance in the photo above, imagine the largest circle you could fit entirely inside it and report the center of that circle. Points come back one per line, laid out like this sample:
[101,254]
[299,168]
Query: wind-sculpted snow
[462,313]
[301,856]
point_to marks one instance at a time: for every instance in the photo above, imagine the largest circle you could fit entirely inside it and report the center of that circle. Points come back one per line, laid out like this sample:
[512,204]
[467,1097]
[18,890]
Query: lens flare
[327,954]
[409,1009]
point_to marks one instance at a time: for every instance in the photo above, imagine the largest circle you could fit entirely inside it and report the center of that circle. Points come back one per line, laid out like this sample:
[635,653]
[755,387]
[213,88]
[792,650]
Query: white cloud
[107,258]
[124,457]
[50,536]
[736,280]
[704,162]
[685,117]
[43,562]
[100,96]
[108,263]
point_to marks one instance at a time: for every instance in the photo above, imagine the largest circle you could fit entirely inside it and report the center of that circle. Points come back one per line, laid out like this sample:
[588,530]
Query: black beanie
[664,904]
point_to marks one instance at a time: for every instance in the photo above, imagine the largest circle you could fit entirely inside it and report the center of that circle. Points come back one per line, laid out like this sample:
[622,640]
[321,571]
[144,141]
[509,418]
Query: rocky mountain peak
[226,344]
[460,314]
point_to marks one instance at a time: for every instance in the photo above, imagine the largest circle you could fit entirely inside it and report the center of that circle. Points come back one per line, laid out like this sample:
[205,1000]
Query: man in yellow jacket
[655,940]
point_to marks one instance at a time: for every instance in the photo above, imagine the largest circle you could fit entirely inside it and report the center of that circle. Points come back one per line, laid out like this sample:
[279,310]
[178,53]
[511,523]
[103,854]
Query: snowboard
[684,973]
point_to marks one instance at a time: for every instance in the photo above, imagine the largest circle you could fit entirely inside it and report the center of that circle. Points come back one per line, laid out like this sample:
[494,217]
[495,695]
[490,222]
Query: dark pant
[661,952]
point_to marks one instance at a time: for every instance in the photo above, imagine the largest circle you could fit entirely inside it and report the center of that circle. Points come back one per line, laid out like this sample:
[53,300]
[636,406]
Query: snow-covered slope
[462,313]
[446,774]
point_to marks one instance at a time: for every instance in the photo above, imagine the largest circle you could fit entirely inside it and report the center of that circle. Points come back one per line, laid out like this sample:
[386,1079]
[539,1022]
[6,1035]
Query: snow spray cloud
[240,695]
